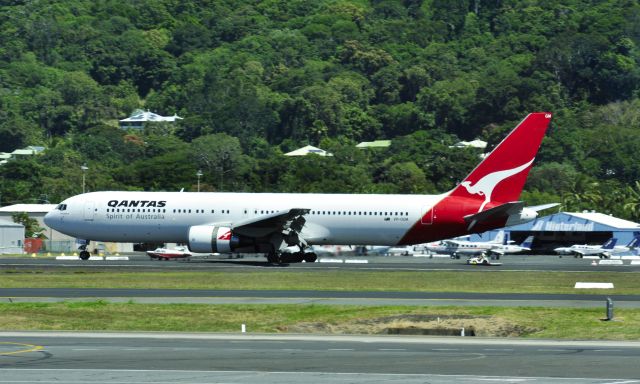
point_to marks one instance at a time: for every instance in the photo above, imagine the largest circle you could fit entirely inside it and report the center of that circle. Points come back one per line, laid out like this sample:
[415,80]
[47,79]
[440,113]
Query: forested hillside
[254,79]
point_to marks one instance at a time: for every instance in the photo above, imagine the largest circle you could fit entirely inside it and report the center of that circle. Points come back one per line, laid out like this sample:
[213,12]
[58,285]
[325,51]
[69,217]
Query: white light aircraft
[581,250]
[283,226]
[458,247]
[505,249]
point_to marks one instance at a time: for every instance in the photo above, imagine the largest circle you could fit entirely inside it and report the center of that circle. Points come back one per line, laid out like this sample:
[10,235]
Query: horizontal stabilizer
[542,207]
[495,213]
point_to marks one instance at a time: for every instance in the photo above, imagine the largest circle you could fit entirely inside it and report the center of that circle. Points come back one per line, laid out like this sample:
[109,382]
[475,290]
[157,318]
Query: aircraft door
[427,217]
[89,210]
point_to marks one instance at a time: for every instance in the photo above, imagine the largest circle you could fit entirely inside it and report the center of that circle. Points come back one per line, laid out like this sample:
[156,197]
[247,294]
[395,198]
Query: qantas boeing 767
[284,225]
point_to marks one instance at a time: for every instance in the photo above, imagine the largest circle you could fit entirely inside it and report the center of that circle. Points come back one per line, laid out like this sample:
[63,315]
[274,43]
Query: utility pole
[199,174]
[84,169]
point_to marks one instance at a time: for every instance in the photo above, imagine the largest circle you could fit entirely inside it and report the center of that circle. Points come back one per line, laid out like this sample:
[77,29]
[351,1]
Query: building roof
[577,222]
[309,149]
[603,219]
[374,144]
[29,208]
[141,116]
[23,152]
[10,224]
[475,144]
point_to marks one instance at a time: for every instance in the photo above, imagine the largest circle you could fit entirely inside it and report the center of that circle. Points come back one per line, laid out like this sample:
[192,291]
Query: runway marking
[498,349]
[29,348]
[623,382]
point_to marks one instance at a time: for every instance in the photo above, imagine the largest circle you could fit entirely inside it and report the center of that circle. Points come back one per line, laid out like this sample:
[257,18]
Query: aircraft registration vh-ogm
[284,225]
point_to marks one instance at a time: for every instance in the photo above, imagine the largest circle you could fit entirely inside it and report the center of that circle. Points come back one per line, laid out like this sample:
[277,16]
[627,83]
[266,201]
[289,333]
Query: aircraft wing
[281,221]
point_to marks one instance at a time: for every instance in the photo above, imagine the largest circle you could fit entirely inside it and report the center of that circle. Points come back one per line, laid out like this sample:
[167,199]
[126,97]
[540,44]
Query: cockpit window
[61,207]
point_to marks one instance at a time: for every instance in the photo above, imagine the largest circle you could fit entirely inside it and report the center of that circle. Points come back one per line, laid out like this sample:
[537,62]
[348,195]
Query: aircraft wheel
[310,257]
[273,258]
[485,262]
[84,255]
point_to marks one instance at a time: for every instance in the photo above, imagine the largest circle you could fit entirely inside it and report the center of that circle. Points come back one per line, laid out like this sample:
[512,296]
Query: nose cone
[49,219]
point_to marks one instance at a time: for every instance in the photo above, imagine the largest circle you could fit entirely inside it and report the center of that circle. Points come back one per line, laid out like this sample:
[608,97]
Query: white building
[309,149]
[11,237]
[57,241]
[139,117]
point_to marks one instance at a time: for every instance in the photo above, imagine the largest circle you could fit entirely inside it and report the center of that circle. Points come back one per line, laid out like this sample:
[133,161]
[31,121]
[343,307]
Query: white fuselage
[337,219]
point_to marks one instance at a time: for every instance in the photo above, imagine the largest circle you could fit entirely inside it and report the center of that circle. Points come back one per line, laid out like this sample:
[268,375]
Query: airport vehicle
[581,250]
[481,260]
[284,225]
[169,253]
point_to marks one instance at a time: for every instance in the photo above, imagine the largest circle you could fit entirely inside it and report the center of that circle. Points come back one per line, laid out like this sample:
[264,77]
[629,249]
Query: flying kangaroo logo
[486,185]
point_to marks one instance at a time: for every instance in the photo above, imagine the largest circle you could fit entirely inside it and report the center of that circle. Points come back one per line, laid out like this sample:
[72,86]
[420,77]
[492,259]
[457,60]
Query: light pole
[199,174]
[84,168]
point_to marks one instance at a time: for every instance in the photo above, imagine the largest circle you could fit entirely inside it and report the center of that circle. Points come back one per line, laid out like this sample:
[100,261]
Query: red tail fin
[511,160]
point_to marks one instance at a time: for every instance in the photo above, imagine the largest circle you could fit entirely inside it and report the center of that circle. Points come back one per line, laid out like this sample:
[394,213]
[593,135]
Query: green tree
[31,226]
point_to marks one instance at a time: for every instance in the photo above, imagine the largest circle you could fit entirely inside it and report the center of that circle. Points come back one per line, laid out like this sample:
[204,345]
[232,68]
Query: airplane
[457,247]
[503,249]
[581,250]
[623,249]
[284,225]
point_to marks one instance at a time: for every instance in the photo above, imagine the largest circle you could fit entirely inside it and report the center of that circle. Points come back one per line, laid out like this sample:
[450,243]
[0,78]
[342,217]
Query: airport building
[11,237]
[56,241]
[567,228]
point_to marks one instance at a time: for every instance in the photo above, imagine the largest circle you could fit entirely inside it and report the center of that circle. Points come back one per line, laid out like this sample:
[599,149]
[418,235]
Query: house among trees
[309,149]
[139,117]
[28,151]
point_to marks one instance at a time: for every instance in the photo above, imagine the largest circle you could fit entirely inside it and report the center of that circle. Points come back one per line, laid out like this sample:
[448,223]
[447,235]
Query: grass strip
[563,323]
[412,281]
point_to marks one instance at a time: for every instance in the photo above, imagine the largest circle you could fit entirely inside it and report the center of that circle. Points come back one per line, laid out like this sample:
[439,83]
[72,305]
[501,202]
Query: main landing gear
[286,257]
[84,254]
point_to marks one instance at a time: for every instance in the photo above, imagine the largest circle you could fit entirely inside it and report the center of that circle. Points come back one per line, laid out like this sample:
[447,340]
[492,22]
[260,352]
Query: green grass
[565,323]
[418,281]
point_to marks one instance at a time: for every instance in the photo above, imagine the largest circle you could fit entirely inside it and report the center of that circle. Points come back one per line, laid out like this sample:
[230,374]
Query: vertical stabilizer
[500,177]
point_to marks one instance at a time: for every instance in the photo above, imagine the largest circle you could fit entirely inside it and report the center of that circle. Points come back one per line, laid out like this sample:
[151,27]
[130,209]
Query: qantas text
[137,203]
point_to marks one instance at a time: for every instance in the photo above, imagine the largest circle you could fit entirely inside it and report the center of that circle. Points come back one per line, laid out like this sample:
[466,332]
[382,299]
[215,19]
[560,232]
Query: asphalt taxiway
[141,262]
[38,357]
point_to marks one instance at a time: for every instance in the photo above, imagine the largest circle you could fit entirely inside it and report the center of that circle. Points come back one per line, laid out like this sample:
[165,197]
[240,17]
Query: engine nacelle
[524,216]
[211,239]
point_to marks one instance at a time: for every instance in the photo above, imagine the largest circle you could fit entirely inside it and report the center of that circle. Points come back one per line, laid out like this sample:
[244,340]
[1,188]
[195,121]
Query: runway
[39,357]
[140,262]
[369,298]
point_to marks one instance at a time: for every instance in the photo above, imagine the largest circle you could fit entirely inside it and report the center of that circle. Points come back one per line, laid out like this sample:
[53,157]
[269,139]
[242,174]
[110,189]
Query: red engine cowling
[211,239]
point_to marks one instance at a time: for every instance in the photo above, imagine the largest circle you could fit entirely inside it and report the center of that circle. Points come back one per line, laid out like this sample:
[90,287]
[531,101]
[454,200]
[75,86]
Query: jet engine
[211,239]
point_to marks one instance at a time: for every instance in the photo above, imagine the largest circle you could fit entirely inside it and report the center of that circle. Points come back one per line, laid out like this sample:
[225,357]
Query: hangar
[567,228]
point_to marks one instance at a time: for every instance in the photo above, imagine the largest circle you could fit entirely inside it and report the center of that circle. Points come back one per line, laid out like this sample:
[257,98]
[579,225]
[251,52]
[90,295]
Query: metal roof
[141,116]
[605,220]
[374,144]
[10,224]
[309,149]
[577,222]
